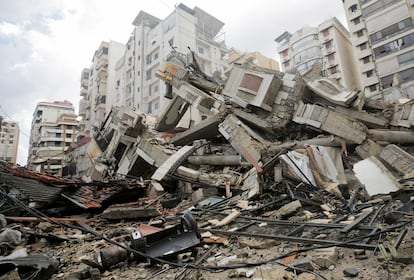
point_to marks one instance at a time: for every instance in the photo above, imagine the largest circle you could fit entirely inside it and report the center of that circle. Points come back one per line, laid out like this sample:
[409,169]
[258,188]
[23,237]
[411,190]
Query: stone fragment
[351,272]
[325,257]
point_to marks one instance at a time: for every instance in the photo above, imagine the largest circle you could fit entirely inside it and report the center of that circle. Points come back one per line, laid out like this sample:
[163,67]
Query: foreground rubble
[286,176]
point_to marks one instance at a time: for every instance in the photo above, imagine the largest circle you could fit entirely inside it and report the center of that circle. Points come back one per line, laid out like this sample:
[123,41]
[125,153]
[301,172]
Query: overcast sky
[44,44]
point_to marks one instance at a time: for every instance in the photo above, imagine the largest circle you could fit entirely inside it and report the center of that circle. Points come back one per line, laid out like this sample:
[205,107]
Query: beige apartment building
[382,34]
[251,58]
[328,44]
[9,140]
[54,129]
[98,87]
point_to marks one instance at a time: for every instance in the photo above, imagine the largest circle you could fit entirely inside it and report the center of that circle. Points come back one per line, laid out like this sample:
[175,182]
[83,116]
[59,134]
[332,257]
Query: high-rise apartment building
[382,34]
[149,45]
[328,44]
[9,140]
[54,128]
[98,86]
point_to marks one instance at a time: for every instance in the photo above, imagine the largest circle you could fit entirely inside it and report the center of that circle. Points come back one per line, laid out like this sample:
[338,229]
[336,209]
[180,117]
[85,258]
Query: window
[333,70]
[201,50]
[391,30]
[357,20]
[363,46]
[386,81]
[156,105]
[11,142]
[372,88]
[369,73]
[366,59]
[304,41]
[155,55]
[148,59]
[285,53]
[353,8]
[328,44]
[155,88]
[325,33]
[251,83]
[150,107]
[406,58]
[331,57]
[360,33]
[148,74]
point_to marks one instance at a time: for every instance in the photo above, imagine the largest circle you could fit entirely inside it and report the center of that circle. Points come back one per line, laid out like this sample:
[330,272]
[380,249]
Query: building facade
[382,34]
[9,140]
[98,87]
[54,128]
[149,45]
[328,44]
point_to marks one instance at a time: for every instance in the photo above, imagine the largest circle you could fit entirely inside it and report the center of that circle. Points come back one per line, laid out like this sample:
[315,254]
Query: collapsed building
[269,144]
[307,122]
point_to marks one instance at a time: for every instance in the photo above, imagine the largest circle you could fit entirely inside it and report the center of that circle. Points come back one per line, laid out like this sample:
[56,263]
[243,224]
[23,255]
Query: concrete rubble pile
[277,159]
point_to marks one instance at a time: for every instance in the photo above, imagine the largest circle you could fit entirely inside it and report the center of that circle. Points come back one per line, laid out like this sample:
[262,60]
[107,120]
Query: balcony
[100,106]
[353,15]
[85,83]
[356,41]
[364,53]
[83,92]
[101,73]
[102,62]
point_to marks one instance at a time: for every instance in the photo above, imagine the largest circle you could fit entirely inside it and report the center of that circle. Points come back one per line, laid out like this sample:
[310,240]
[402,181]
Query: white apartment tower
[327,44]
[98,87]
[9,140]
[149,45]
[382,34]
[54,128]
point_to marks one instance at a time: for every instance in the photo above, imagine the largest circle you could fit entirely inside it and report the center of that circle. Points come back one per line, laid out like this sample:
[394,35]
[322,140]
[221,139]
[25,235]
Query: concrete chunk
[331,122]
[398,159]
[375,177]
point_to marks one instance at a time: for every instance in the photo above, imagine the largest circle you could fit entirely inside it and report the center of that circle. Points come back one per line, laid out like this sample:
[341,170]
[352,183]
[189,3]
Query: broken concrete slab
[206,129]
[375,176]
[173,162]
[398,159]
[243,140]
[120,213]
[368,148]
[332,91]
[331,122]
